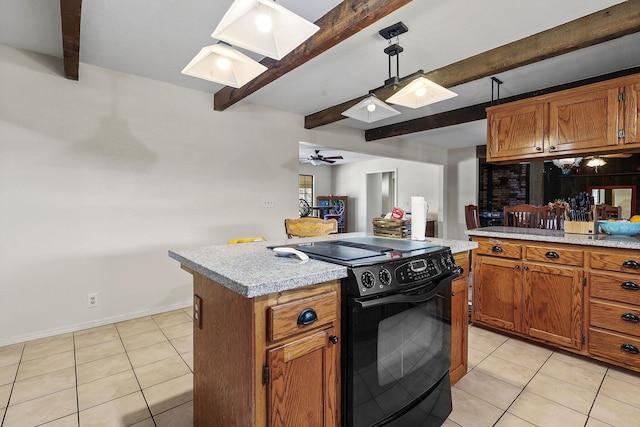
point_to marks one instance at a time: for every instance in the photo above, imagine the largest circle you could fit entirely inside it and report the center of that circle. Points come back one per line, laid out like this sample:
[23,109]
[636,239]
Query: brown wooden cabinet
[594,119]
[516,131]
[460,320]
[530,291]
[586,118]
[256,366]
[614,325]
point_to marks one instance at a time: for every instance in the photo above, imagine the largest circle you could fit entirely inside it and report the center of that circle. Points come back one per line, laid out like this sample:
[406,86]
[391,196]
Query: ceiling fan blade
[328,161]
[334,157]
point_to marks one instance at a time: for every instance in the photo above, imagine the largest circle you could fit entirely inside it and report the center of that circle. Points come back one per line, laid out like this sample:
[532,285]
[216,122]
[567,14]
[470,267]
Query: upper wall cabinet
[594,119]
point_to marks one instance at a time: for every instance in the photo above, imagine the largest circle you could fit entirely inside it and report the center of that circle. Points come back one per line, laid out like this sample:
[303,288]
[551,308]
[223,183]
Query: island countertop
[252,269]
[557,236]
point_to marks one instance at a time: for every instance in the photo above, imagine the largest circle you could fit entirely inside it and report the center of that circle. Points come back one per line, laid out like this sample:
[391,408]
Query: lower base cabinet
[460,320]
[256,366]
[578,298]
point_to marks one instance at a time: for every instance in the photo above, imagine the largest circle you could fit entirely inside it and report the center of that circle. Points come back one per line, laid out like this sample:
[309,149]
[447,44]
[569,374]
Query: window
[305,188]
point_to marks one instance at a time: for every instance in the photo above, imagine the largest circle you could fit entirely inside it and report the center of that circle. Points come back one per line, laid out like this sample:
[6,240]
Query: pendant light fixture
[264,27]
[418,92]
[223,64]
[371,109]
[596,162]
[567,164]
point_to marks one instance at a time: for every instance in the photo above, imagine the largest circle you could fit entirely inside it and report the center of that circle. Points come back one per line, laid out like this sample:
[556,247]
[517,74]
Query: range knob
[368,279]
[385,277]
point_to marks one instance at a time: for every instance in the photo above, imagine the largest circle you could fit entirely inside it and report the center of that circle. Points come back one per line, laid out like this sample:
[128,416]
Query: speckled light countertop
[557,236]
[252,269]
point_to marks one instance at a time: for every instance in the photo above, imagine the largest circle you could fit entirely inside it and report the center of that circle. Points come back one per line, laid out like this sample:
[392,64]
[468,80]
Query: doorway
[382,193]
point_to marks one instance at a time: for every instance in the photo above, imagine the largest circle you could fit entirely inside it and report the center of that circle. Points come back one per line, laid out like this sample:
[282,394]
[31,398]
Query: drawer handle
[307,316]
[630,317]
[552,255]
[631,264]
[629,348]
[631,286]
[496,248]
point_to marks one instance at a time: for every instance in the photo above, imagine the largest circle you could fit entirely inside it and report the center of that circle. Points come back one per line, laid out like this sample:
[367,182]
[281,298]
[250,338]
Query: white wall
[322,183]
[413,178]
[100,177]
[462,174]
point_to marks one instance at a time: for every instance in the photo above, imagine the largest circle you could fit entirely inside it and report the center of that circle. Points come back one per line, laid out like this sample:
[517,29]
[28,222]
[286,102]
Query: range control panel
[396,274]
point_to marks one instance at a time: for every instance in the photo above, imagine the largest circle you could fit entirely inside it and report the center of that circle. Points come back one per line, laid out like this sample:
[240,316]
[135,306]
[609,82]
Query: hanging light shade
[420,92]
[595,163]
[264,27]
[223,64]
[371,109]
[567,164]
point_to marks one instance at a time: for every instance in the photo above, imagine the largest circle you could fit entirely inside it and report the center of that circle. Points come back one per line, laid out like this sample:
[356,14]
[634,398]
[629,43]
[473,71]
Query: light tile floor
[140,373]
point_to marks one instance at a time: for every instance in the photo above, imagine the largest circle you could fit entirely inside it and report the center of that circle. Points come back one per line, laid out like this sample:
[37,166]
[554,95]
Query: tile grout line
[13,385]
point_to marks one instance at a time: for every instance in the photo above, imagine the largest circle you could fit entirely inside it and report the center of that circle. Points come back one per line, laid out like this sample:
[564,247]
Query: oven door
[397,358]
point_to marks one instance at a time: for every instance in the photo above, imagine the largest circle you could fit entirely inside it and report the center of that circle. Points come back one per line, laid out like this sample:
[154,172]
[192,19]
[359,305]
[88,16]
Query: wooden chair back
[472,217]
[604,211]
[309,227]
[525,216]
[555,218]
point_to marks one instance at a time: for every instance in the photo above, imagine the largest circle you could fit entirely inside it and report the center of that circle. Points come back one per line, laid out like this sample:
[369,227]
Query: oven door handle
[405,298]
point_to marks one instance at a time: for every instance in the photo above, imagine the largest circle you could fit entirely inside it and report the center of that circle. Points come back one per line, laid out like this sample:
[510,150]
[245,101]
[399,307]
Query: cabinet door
[586,120]
[515,131]
[459,327]
[303,387]
[553,304]
[497,292]
[632,114]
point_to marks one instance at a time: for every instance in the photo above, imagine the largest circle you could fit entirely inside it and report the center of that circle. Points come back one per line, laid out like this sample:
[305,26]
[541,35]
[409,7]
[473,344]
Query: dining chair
[555,218]
[604,211]
[472,217]
[309,227]
[525,216]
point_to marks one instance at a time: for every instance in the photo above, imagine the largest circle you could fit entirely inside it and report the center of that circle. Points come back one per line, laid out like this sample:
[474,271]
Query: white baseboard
[94,323]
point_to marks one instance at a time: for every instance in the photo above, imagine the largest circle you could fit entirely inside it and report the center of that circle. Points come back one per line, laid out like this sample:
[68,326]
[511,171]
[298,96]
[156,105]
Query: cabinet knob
[538,148]
[629,348]
[552,147]
[526,267]
[631,264]
[517,266]
[630,286]
[307,316]
[630,317]
[333,339]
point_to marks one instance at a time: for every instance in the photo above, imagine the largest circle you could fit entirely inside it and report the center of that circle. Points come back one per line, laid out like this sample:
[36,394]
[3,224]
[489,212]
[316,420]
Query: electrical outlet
[267,203]
[92,300]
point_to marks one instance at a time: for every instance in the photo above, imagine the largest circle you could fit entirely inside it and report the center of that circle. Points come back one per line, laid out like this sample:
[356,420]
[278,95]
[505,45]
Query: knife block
[581,227]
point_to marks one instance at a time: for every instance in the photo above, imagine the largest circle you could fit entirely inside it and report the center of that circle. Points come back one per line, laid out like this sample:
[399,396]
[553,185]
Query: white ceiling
[156,39]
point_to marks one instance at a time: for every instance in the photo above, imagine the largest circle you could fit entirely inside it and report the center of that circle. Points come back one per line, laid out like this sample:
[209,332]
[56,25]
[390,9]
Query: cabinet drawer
[625,262]
[302,314]
[554,255]
[503,250]
[617,347]
[622,318]
[616,287]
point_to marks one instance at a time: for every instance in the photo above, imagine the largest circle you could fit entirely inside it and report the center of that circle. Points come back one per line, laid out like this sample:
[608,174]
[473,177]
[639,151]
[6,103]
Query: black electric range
[379,265]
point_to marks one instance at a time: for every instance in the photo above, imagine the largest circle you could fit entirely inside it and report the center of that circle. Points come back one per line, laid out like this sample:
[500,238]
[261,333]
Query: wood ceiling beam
[608,24]
[478,111]
[70,17]
[337,25]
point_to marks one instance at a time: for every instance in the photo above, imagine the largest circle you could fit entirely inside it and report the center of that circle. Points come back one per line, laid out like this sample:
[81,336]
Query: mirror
[616,195]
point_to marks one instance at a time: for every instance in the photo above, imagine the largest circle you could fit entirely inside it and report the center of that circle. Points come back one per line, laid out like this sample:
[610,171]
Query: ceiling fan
[317,158]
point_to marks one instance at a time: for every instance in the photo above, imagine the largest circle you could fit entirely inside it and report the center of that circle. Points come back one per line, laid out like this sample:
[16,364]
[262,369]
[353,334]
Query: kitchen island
[255,364]
[580,293]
